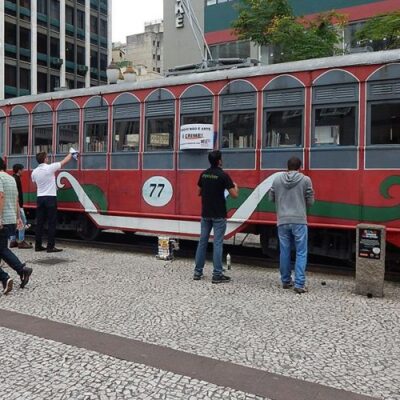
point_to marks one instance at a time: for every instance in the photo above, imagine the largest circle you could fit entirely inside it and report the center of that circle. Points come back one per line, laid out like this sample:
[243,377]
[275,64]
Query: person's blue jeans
[219,226]
[293,235]
[6,254]
[20,232]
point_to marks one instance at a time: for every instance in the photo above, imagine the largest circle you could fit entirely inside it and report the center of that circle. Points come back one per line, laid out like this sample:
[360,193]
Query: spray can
[228,261]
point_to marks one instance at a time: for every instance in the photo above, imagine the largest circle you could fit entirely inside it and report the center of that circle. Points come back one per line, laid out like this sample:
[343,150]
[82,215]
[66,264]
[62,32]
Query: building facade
[52,44]
[181,45]
[216,16]
[219,15]
[147,48]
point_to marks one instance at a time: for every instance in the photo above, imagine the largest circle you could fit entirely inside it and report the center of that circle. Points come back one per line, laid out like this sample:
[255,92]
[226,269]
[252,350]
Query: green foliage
[304,39]
[384,28]
[272,22]
[256,16]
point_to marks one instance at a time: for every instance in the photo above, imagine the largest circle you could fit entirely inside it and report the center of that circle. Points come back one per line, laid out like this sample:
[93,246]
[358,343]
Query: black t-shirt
[213,183]
[20,193]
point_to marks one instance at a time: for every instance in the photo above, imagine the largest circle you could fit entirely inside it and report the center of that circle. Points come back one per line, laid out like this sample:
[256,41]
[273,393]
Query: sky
[129,16]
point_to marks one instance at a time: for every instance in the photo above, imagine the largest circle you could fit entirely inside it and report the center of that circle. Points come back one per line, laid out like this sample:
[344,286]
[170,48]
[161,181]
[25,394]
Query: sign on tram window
[197,136]
[159,139]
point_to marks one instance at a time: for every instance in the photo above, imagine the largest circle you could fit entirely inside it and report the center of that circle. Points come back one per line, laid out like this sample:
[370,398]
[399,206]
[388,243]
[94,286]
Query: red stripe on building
[354,14]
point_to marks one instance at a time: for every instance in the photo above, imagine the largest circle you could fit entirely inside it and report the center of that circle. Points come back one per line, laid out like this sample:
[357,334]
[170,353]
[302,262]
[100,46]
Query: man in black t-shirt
[211,187]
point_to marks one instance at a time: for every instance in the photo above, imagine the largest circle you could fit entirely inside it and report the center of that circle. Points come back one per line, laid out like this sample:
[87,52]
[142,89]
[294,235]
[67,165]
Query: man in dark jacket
[293,193]
[18,169]
[211,187]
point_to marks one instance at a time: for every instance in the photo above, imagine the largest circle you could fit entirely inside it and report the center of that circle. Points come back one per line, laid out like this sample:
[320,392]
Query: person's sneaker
[40,248]
[287,285]
[26,273]
[7,286]
[54,250]
[24,245]
[220,279]
[300,290]
[13,244]
[197,277]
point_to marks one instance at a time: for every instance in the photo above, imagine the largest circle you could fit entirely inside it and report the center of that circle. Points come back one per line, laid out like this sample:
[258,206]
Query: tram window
[126,135]
[335,126]
[238,130]
[96,137]
[284,128]
[160,134]
[385,123]
[19,141]
[42,139]
[68,136]
[196,119]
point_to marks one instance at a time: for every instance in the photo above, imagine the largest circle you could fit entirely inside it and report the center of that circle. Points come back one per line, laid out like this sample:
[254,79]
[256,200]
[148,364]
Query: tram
[339,115]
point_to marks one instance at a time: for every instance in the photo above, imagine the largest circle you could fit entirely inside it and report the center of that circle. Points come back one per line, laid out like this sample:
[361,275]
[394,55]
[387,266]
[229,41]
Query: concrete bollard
[370,260]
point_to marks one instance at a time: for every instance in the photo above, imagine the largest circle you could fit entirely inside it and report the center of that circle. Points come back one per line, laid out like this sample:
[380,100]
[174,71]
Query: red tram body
[340,115]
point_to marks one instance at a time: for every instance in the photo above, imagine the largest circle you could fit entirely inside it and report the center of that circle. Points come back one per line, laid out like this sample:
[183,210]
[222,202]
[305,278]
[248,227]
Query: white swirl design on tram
[171,226]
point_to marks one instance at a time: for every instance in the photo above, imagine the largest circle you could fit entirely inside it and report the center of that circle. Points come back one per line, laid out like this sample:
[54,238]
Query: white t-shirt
[43,176]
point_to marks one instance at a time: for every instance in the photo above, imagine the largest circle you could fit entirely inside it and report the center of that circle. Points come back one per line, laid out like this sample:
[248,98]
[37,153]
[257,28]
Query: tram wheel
[86,229]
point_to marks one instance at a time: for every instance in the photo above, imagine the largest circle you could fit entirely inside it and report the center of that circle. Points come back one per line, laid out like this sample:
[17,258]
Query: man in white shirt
[44,177]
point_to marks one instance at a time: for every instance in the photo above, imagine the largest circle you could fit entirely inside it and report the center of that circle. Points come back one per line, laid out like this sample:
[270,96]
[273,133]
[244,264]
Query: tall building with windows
[216,16]
[51,44]
[147,48]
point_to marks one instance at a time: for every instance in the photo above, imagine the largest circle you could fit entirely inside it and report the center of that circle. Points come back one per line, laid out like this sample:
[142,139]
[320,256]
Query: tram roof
[369,58]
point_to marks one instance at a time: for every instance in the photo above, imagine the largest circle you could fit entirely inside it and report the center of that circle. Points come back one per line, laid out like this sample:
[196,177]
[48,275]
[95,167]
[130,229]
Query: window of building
[24,78]
[103,61]
[160,134]
[126,135]
[19,141]
[55,9]
[158,57]
[41,82]
[283,128]
[69,15]
[80,53]
[80,19]
[11,75]
[42,6]
[96,137]
[25,44]
[10,34]
[41,43]
[68,136]
[25,3]
[94,58]
[94,25]
[239,49]
[385,123]
[54,82]
[103,28]
[335,126]
[42,139]
[70,51]
[54,47]
[238,130]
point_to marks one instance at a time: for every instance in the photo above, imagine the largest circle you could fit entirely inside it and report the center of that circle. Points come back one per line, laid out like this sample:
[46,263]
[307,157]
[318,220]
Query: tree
[383,28]
[305,39]
[272,22]
[256,16]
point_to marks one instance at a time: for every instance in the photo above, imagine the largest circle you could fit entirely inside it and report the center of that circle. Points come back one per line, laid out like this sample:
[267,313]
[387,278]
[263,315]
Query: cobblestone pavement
[328,336]
[37,369]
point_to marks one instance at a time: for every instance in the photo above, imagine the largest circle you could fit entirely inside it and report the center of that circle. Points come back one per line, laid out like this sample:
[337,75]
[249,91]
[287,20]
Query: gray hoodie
[293,193]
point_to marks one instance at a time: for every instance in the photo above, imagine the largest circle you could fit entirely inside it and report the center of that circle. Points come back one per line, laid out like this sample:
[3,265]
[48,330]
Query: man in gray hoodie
[293,193]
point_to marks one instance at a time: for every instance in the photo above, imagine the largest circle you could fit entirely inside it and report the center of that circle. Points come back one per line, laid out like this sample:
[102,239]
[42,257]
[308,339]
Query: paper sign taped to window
[197,136]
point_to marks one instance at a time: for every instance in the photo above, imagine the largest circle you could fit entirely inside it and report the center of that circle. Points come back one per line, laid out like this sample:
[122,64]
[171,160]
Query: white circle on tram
[157,191]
